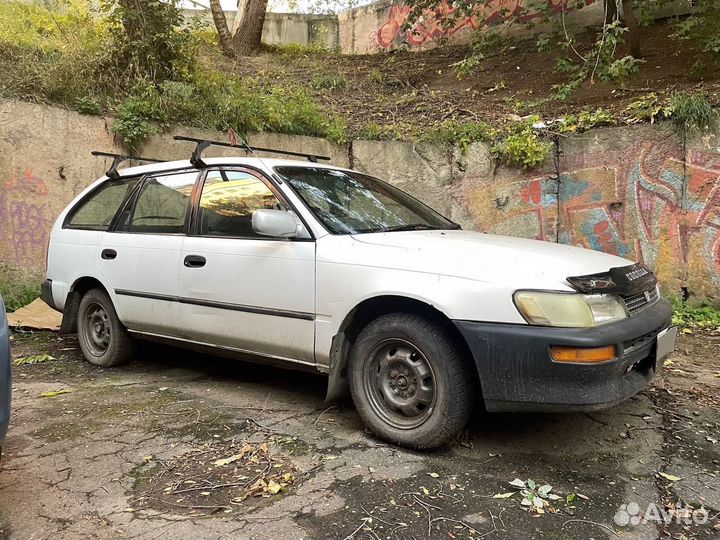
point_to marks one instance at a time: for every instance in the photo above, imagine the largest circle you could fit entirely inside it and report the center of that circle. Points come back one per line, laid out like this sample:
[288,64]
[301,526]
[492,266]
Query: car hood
[486,257]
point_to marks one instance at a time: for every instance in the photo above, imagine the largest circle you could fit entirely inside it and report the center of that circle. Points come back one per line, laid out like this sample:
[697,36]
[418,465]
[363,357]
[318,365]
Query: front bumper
[5,382]
[517,372]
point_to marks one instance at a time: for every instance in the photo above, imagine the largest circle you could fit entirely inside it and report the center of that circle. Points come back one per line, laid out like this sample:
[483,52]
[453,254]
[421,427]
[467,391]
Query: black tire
[103,339]
[410,381]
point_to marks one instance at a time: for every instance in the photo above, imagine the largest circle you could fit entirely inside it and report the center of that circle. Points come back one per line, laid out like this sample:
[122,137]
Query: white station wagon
[316,267]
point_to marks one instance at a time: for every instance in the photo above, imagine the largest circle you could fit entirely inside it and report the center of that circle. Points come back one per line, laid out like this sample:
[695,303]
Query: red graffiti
[434,26]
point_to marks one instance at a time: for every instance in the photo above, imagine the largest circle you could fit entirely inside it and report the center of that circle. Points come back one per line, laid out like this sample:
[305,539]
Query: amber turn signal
[583,355]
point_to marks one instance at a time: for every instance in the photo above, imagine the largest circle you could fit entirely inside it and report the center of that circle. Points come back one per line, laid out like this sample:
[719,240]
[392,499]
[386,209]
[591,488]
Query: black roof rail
[112,172]
[202,144]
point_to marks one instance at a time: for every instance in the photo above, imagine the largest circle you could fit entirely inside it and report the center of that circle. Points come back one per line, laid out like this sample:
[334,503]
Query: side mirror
[277,223]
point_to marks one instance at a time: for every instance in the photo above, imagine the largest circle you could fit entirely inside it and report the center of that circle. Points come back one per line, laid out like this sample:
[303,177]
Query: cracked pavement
[75,465]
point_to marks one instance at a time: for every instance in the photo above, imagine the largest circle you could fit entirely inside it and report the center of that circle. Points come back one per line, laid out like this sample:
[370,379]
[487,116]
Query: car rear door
[241,290]
[139,257]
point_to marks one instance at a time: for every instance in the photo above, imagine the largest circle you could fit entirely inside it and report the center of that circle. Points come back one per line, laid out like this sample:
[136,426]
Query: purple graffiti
[24,229]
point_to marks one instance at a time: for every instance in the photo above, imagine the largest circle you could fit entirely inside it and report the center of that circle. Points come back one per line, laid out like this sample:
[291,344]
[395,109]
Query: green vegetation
[16,288]
[461,133]
[691,113]
[587,120]
[518,144]
[695,317]
[154,70]
[375,76]
[329,81]
[144,70]
[523,147]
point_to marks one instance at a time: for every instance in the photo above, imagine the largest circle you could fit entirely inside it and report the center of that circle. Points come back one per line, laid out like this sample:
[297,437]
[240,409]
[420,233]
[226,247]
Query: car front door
[241,290]
[139,257]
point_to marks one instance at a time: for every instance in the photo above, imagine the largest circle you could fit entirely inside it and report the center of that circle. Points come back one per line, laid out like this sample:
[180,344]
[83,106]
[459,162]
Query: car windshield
[352,203]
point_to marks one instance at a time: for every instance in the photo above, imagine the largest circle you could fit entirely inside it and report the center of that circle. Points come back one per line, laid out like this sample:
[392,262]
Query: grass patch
[691,112]
[17,288]
[688,316]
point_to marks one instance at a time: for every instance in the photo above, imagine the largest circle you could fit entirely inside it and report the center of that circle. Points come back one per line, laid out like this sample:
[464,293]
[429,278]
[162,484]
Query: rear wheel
[103,339]
[410,381]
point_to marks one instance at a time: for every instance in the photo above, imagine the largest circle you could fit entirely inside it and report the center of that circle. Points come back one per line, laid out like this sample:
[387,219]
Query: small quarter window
[162,204]
[97,212]
[228,201]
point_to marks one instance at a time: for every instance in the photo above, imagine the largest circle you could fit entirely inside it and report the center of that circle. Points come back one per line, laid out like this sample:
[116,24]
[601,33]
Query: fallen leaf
[434,474]
[204,493]
[330,458]
[424,490]
[226,461]
[544,490]
[273,487]
[54,393]
[670,477]
[517,483]
[583,497]
[504,495]
[34,359]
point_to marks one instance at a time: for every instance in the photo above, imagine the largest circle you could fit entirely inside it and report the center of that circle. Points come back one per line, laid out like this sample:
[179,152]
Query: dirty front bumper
[517,372]
[4,373]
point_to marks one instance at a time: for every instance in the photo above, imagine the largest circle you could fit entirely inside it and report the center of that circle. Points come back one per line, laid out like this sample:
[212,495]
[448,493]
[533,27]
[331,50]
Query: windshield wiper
[414,227]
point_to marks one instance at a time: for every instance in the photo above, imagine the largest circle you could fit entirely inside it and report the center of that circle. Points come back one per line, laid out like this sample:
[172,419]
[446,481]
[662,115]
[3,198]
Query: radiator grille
[637,302]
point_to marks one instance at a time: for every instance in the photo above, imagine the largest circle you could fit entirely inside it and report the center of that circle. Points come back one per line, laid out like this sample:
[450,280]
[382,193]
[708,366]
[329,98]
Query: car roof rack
[112,172]
[201,144]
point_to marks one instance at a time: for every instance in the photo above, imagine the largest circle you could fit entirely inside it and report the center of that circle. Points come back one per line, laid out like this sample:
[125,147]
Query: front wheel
[103,339]
[410,381]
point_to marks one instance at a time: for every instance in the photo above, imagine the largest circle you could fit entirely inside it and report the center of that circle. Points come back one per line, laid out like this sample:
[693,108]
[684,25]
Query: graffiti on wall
[24,227]
[392,35]
[645,203]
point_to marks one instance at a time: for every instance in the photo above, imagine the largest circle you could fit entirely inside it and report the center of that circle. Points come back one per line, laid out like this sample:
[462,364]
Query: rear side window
[97,212]
[162,204]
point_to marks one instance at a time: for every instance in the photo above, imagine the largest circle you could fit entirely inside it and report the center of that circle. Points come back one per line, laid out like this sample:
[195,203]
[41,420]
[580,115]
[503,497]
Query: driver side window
[162,204]
[229,198]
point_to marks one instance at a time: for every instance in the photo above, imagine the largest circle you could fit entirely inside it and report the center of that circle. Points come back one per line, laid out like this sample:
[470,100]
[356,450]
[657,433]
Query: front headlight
[569,310]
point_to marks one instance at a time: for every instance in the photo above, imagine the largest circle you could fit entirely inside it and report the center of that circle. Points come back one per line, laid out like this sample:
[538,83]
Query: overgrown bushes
[140,66]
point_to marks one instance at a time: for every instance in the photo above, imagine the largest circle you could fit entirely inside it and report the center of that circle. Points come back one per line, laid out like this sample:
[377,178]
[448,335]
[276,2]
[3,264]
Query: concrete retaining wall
[301,29]
[640,192]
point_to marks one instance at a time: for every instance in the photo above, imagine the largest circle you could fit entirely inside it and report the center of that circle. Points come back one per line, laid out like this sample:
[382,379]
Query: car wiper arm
[413,227]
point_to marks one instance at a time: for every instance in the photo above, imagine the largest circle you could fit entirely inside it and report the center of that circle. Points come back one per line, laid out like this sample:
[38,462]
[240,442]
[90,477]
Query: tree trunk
[224,36]
[611,11]
[248,35]
[633,29]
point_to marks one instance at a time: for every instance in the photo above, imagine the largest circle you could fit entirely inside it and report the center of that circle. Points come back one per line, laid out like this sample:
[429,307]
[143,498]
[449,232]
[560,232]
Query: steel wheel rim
[96,329]
[400,384]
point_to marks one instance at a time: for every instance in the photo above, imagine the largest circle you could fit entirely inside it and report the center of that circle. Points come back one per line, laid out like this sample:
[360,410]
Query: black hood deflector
[622,280]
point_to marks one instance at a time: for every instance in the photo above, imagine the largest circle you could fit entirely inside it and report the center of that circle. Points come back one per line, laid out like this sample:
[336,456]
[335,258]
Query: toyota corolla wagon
[316,267]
